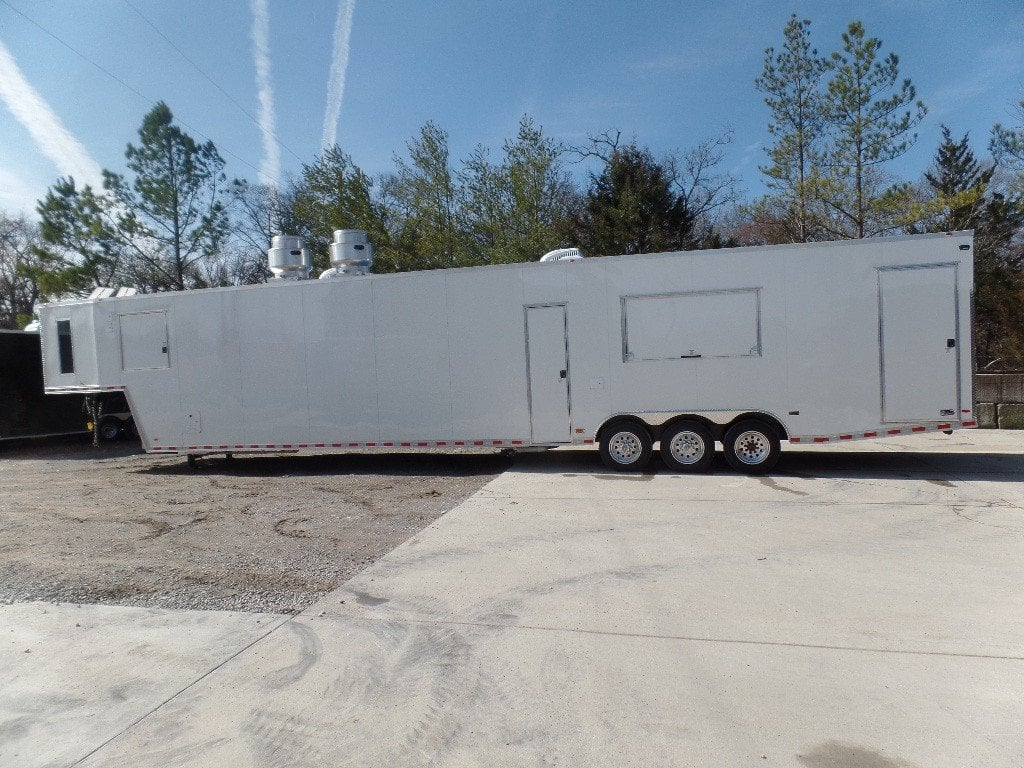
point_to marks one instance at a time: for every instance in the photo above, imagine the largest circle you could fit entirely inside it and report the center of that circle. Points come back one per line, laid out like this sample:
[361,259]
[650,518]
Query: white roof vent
[562,254]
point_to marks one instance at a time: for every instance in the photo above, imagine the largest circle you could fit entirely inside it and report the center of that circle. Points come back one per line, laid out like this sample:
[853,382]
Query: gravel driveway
[259,533]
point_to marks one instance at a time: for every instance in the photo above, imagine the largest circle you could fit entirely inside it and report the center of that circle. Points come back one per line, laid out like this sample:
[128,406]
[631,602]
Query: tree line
[837,122]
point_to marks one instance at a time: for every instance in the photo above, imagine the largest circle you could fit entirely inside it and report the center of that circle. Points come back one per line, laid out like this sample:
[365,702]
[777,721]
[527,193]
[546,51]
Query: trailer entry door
[548,368]
[920,343]
[144,341]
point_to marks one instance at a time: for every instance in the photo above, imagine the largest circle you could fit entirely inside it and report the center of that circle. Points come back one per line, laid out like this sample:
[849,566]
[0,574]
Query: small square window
[67,355]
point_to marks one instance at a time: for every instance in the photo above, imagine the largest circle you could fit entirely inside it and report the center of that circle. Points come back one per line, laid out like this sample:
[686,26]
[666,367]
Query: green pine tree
[171,217]
[870,115]
[790,80]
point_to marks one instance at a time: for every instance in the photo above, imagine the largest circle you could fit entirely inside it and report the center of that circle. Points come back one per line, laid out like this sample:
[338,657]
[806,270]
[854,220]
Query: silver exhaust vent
[288,258]
[351,254]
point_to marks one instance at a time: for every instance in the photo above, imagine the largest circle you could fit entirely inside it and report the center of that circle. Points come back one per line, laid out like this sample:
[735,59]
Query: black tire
[626,446]
[687,446]
[110,429]
[752,446]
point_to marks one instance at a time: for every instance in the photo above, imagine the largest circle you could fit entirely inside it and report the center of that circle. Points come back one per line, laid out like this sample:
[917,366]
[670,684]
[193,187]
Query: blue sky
[669,73]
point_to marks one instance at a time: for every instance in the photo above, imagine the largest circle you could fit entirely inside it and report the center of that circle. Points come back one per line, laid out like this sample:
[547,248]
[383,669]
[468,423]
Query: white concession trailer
[747,347]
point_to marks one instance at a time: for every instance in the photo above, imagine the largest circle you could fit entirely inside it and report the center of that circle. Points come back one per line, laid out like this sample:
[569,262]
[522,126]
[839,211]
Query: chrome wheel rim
[687,447]
[625,448]
[752,447]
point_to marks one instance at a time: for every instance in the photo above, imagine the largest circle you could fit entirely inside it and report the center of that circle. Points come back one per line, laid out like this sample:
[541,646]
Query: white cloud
[270,165]
[339,66]
[17,193]
[42,123]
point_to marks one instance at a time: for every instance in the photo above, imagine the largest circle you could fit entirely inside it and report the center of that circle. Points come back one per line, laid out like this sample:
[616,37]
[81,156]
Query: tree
[958,184]
[20,268]
[790,81]
[333,193]
[83,249]
[766,221]
[426,206]
[704,190]
[960,193]
[260,212]
[869,115]
[521,208]
[1007,145]
[631,206]
[999,283]
[172,216]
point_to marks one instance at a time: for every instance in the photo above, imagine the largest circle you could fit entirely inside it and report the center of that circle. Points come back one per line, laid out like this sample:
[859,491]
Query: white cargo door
[547,362]
[918,316]
[144,341]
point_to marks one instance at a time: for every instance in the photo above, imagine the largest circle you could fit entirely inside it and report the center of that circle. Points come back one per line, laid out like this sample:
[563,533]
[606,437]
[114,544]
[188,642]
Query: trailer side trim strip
[495,442]
[913,429]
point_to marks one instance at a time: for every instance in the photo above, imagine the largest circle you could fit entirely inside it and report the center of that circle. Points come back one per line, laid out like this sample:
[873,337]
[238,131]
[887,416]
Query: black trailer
[25,411]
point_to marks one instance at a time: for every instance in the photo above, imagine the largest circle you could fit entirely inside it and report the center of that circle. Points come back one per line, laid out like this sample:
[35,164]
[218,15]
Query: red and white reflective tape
[84,389]
[489,443]
[345,444]
[882,432]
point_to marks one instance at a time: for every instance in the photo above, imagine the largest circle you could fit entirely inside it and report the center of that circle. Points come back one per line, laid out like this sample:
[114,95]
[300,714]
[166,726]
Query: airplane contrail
[270,165]
[53,139]
[339,65]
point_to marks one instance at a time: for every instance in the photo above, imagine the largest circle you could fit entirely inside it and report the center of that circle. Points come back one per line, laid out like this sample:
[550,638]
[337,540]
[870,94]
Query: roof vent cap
[562,254]
[288,258]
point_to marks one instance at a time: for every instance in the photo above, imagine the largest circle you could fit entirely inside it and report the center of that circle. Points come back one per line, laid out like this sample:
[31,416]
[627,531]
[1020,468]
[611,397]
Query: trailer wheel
[626,446]
[752,446]
[688,446]
[110,428]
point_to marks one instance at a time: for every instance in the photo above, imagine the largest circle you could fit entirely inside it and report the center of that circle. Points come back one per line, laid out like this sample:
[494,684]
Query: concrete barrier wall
[1000,398]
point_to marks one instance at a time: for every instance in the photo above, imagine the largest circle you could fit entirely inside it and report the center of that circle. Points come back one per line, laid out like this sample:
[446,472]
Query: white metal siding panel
[273,364]
[339,343]
[545,283]
[592,331]
[833,339]
[488,355]
[413,373]
[205,354]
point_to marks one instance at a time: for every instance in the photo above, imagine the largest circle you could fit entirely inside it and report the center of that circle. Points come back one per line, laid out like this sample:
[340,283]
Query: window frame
[65,350]
[630,357]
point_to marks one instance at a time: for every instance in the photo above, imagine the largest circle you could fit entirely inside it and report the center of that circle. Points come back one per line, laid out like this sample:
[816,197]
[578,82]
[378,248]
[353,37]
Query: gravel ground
[259,533]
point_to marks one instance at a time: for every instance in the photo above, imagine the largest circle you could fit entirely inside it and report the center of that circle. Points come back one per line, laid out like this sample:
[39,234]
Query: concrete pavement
[862,608]
[74,676]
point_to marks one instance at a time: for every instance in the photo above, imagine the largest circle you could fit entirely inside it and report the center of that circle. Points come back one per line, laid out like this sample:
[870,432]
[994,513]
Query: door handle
[561,373]
[950,343]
